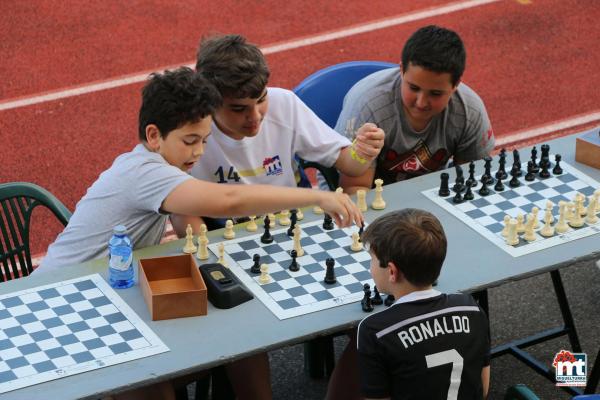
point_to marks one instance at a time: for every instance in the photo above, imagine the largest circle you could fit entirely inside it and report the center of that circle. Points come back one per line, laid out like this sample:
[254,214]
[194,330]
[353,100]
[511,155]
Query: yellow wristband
[355,155]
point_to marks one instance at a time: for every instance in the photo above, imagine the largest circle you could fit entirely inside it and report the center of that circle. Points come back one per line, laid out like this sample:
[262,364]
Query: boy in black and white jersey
[427,345]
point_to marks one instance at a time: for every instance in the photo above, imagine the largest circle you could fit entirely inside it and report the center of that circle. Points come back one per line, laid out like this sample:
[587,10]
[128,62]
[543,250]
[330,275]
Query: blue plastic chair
[324,92]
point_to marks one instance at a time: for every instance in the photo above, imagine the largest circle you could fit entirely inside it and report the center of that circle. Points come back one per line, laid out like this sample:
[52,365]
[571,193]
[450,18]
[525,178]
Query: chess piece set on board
[368,302]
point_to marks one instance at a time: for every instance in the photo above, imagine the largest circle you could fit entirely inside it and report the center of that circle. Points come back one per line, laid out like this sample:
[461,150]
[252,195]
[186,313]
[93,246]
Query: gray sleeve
[154,181]
[477,140]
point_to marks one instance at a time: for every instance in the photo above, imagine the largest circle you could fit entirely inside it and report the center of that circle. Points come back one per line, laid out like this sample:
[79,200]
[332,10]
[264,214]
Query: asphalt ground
[517,309]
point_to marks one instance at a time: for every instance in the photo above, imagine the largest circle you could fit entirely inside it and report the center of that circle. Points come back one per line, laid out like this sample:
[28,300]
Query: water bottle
[120,259]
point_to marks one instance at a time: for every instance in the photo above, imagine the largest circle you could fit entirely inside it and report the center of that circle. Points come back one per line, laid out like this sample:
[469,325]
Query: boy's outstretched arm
[196,197]
[485,380]
[356,159]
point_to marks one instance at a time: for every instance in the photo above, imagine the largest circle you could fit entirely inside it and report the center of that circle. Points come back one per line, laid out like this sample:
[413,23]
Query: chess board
[290,294]
[57,330]
[486,214]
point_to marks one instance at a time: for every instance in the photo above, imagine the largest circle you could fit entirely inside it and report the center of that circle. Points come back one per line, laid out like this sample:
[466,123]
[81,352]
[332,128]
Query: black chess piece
[360,232]
[444,190]
[459,183]
[514,182]
[557,170]
[535,166]
[389,300]
[487,174]
[376,299]
[469,194]
[544,165]
[483,190]
[499,187]
[366,304]
[266,237]
[501,174]
[471,181]
[327,222]
[330,272]
[293,220]
[517,161]
[530,176]
[545,153]
[294,267]
[457,198]
[256,266]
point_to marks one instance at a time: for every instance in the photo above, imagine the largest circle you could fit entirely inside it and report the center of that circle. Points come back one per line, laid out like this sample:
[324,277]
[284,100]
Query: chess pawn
[221,259]
[505,229]
[203,232]
[251,225]
[361,200]
[339,190]
[536,221]
[550,206]
[264,274]
[520,224]
[547,230]
[202,253]
[229,233]
[284,219]
[190,247]
[529,232]
[512,238]
[561,225]
[378,203]
[317,210]
[299,215]
[272,220]
[356,243]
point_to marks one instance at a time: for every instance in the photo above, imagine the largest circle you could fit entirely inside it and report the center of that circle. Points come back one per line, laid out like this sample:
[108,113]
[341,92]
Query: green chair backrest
[17,201]
[520,392]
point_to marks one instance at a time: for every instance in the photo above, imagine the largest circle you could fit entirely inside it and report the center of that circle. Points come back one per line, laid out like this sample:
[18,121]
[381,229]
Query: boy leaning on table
[145,185]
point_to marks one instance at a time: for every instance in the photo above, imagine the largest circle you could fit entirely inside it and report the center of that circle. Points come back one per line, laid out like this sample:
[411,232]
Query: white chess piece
[284,219]
[299,215]
[202,253]
[597,197]
[378,203]
[339,190]
[550,206]
[272,220]
[536,221]
[264,274]
[251,225]
[547,230]
[579,201]
[297,245]
[529,232]
[512,238]
[520,224]
[591,211]
[576,220]
[318,210]
[356,243]
[203,232]
[361,200]
[505,229]
[229,232]
[221,260]
[190,247]
[561,225]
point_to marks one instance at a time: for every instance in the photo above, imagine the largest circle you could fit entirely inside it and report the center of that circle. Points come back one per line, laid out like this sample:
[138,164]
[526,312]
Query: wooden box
[172,287]
[587,149]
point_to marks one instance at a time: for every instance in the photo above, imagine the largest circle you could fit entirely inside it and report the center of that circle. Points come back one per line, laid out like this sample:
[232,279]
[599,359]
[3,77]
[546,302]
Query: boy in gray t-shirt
[144,186]
[427,114]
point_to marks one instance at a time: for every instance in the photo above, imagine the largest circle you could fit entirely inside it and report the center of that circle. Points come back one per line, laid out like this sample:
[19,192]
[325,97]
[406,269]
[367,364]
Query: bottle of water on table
[120,263]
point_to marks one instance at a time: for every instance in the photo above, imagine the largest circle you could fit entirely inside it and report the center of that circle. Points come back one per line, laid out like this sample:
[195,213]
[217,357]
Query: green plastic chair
[520,392]
[17,201]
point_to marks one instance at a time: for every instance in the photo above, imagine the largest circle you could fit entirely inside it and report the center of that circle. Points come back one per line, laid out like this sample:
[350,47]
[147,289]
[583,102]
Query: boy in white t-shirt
[144,186]
[258,130]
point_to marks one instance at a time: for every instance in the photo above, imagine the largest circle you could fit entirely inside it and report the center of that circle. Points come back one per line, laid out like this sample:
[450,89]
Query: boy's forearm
[350,166]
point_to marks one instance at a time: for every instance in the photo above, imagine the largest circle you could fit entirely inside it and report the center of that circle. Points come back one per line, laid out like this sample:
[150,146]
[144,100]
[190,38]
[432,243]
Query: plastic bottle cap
[120,230]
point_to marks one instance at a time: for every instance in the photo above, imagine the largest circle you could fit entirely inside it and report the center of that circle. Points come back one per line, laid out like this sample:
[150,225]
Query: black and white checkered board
[290,294]
[57,330]
[486,214]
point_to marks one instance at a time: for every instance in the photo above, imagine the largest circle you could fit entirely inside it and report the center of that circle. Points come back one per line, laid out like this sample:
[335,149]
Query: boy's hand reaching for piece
[341,208]
[369,141]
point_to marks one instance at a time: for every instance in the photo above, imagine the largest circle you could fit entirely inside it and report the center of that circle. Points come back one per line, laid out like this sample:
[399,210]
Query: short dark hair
[175,98]
[413,240]
[237,68]
[436,49]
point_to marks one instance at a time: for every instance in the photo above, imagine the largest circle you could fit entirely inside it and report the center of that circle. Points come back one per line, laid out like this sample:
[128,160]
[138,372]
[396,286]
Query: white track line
[548,128]
[276,48]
